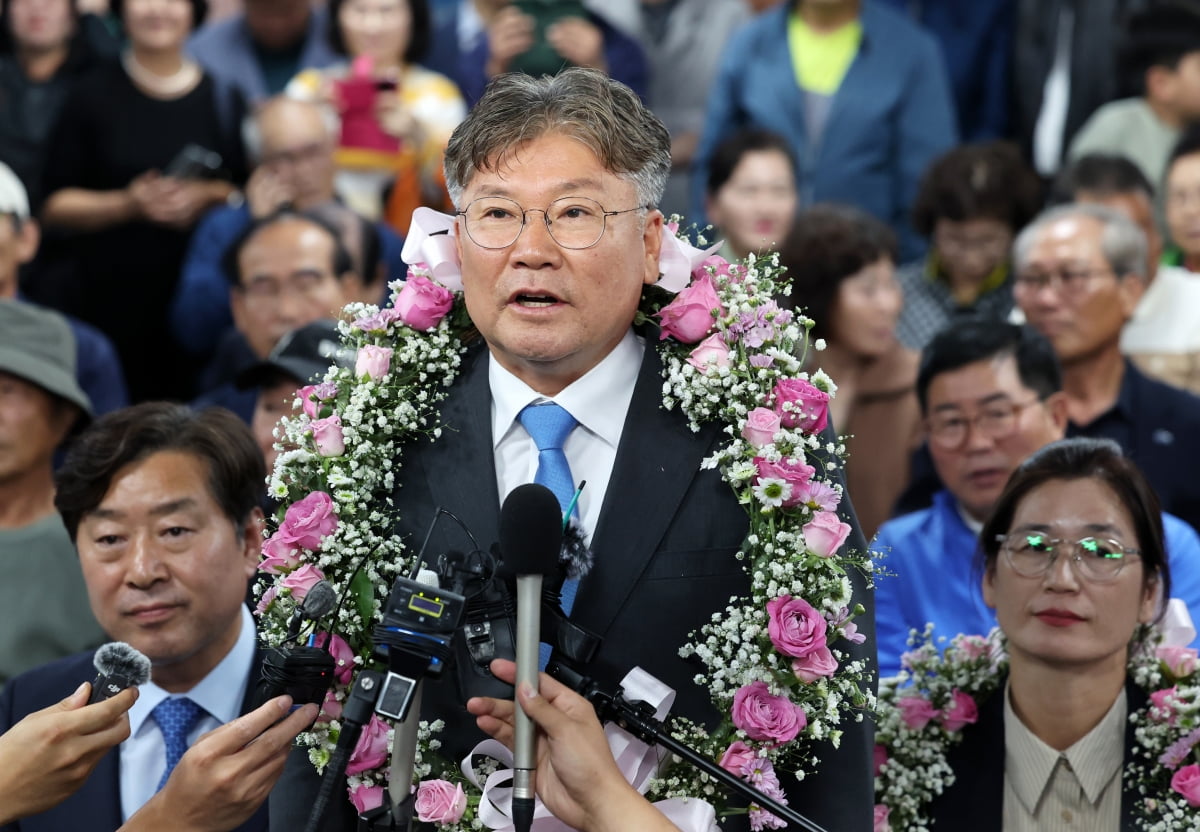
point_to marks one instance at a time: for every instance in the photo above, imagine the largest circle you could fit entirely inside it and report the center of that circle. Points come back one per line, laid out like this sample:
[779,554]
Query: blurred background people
[751,192]
[842,263]
[396,115]
[971,203]
[139,155]
[859,91]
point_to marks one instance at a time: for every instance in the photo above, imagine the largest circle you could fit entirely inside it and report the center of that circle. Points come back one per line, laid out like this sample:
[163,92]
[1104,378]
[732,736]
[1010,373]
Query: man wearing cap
[45,603]
[96,366]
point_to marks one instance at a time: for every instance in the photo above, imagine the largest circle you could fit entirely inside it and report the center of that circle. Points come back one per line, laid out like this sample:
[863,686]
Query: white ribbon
[1176,626]
[431,240]
[637,761]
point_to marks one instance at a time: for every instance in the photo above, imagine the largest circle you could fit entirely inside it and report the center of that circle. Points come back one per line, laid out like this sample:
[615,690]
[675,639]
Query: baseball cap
[304,354]
[13,197]
[38,346]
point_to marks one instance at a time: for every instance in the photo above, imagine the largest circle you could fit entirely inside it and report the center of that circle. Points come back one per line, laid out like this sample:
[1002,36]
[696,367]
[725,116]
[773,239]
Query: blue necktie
[176,717]
[549,425]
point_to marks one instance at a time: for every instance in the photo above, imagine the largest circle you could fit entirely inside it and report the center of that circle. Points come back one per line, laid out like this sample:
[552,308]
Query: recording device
[531,533]
[194,162]
[541,58]
[303,672]
[118,666]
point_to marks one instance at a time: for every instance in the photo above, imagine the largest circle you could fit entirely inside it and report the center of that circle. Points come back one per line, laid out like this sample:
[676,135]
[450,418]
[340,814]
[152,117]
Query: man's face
[1137,206]
[166,570]
[298,150]
[18,244]
[1004,422]
[1182,202]
[286,281]
[273,403]
[1069,292]
[277,24]
[32,424]
[41,25]
[550,314]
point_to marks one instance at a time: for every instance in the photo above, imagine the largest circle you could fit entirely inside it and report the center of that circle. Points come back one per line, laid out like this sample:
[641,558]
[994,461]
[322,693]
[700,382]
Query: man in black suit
[556,313]
[163,505]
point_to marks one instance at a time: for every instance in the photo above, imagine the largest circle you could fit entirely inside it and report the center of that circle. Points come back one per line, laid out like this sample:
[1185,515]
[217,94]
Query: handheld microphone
[305,673]
[118,666]
[530,542]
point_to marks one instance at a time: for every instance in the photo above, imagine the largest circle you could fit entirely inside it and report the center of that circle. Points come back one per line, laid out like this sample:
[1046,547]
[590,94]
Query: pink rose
[736,756]
[809,406]
[422,303]
[372,749]
[373,362]
[761,427]
[439,801]
[309,520]
[790,470]
[309,401]
[1186,782]
[916,711]
[302,580]
[1180,661]
[331,708]
[816,665]
[881,757]
[881,818]
[365,798]
[711,350]
[825,533]
[1162,705]
[794,626]
[764,716]
[279,555]
[327,436]
[267,598]
[343,656]
[689,317]
[718,266]
[960,712]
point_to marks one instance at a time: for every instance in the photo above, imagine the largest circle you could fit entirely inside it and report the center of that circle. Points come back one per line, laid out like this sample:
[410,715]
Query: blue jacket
[932,577]
[891,116]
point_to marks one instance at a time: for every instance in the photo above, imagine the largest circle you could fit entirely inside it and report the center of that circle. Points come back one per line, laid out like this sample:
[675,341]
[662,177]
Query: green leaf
[364,596]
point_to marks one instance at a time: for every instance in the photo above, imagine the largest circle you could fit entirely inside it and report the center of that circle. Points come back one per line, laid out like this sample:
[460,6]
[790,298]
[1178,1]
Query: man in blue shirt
[991,395]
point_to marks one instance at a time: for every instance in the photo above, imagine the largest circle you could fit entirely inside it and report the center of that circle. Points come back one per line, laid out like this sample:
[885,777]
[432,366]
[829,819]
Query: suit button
[1066,815]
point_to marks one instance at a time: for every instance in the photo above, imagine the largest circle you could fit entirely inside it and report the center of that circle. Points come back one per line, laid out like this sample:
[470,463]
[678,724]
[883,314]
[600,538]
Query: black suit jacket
[976,800]
[664,562]
[96,807]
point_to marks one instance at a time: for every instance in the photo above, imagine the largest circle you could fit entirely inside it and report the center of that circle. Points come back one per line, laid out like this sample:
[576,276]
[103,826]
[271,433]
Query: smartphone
[194,162]
[541,59]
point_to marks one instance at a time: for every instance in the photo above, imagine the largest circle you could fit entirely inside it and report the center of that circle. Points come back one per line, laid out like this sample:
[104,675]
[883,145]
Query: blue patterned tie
[176,717]
[549,425]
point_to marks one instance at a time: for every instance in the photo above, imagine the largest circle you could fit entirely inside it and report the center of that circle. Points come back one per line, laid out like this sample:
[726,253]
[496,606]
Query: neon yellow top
[820,59]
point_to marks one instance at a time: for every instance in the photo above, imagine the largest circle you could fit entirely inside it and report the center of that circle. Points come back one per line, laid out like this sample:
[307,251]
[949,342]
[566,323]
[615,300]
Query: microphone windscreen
[530,531]
[319,601]
[119,659]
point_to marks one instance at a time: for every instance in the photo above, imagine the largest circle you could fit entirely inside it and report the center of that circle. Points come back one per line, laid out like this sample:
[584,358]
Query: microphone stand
[638,719]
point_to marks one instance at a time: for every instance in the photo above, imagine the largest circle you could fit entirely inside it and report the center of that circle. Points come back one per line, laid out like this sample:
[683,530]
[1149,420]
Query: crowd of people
[991,211]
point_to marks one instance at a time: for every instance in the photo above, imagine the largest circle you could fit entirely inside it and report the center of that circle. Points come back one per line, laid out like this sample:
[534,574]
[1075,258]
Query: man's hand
[579,41]
[267,192]
[227,774]
[46,756]
[510,35]
[577,778]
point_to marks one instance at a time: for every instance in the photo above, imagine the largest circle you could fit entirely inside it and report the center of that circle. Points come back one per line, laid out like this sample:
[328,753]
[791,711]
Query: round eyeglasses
[573,221]
[1032,555]
[998,420]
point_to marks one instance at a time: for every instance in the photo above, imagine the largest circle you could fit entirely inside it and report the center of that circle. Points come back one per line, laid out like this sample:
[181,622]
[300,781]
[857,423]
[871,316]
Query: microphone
[303,672]
[118,666]
[531,531]
[317,604]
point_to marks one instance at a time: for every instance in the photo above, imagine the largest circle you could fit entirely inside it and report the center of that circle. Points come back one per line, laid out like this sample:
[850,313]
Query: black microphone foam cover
[319,601]
[118,666]
[530,531]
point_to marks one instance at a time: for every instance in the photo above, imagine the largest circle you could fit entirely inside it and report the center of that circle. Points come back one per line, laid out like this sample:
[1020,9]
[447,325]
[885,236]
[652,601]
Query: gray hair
[1123,244]
[585,104]
[252,129]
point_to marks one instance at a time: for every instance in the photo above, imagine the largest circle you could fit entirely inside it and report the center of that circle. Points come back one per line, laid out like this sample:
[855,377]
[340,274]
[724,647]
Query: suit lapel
[641,500]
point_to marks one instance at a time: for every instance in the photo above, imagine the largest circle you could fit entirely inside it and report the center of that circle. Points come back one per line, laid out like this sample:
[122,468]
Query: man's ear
[28,240]
[1130,289]
[251,539]
[652,240]
[1056,407]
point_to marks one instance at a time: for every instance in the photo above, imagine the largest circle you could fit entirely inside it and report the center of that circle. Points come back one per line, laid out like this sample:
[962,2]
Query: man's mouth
[535,301]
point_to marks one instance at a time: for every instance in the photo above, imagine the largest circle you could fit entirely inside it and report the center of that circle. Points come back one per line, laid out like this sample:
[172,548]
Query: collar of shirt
[220,693]
[976,526]
[1094,759]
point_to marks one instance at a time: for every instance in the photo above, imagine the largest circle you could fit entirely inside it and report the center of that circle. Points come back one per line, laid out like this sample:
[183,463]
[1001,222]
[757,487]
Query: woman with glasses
[1074,565]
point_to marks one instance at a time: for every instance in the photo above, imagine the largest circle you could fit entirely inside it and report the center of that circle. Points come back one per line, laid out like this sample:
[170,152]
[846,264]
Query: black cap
[303,354]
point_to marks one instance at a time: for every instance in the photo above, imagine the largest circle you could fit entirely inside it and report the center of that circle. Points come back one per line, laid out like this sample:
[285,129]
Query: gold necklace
[161,86]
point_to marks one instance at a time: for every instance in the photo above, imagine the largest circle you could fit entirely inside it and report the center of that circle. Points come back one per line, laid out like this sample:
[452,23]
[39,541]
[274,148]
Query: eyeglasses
[996,421]
[1068,281]
[573,221]
[303,285]
[298,155]
[1032,555]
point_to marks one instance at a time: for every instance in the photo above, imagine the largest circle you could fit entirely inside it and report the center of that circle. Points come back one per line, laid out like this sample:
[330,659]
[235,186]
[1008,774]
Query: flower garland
[923,710]
[776,662]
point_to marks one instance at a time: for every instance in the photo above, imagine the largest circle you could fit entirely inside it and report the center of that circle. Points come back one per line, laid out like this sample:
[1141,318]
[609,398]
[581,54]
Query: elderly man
[42,594]
[291,143]
[1080,275]
[557,323]
[163,505]
[991,395]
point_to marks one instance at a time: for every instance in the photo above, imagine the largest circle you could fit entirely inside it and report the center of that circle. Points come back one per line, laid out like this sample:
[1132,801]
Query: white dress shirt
[599,401]
[220,694]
